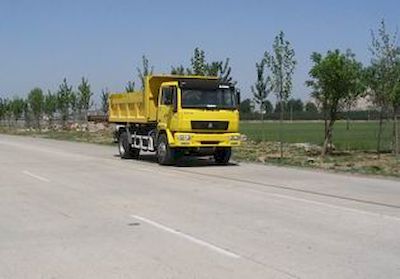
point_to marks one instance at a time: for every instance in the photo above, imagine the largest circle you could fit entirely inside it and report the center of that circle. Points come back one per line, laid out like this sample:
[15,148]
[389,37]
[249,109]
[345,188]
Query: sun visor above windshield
[207,84]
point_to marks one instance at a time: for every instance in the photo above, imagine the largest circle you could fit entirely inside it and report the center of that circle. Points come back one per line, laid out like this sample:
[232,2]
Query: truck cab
[186,116]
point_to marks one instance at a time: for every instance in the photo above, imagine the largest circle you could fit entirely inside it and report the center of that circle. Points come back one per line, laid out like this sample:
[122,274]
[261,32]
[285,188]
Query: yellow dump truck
[177,116]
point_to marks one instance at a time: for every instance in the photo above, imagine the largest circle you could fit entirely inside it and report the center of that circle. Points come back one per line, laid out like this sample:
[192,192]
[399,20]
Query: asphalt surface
[72,210]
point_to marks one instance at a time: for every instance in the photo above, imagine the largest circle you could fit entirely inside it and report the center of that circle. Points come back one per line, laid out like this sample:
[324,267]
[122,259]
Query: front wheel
[165,154]
[222,155]
[126,151]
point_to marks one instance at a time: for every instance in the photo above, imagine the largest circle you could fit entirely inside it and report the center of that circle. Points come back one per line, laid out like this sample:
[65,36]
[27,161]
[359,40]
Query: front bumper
[205,140]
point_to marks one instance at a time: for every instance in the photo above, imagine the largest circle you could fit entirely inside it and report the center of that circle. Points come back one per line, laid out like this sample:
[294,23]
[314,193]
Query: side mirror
[238,97]
[174,100]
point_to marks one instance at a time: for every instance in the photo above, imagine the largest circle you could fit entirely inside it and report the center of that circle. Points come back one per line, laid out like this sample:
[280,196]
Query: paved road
[70,210]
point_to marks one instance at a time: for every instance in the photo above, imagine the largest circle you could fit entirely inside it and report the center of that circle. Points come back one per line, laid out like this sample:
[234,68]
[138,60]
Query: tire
[126,151]
[222,155]
[165,154]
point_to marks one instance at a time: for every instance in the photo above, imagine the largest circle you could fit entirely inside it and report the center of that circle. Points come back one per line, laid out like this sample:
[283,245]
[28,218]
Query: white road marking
[354,210]
[35,176]
[188,237]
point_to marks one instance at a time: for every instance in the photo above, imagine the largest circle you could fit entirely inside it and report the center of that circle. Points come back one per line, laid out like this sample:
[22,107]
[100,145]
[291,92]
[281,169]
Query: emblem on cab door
[210,125]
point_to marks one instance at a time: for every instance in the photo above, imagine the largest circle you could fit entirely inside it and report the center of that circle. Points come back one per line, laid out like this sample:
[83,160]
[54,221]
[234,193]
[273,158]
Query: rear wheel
[165,154]
[222,155]
[126,151]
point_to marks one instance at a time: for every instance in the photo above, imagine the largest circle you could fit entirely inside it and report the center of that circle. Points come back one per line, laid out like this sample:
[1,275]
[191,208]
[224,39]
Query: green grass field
[361,136]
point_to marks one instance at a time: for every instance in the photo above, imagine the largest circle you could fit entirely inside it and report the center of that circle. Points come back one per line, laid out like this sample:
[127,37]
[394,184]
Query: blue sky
[41,42]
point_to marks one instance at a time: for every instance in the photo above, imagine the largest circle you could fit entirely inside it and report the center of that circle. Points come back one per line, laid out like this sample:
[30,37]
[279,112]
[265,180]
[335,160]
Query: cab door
[167,106]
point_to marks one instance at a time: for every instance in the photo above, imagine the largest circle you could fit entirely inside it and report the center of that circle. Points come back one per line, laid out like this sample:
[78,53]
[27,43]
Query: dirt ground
[308,155]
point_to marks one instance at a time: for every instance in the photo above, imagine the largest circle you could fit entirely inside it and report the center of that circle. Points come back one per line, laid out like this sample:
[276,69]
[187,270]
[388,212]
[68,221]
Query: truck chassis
[135,137]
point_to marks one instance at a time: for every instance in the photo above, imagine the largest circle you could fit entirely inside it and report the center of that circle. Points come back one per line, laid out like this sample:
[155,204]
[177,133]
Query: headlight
[236,137]
[184,137]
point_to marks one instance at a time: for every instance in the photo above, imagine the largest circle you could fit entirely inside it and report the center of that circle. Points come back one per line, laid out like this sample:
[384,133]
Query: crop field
[362,135]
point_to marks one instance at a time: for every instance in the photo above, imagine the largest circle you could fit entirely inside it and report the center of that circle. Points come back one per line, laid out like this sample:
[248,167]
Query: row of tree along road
[65,103]
[337,81]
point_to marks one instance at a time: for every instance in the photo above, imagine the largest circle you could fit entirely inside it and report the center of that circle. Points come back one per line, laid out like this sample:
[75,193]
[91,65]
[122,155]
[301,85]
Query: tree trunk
[281,131]
[378,147]
[64,120]
[50,122]
[395,134]
[326,148]
[325,121]
[38,122]
[262,122]
[27,122]
[348,120]
[85,120]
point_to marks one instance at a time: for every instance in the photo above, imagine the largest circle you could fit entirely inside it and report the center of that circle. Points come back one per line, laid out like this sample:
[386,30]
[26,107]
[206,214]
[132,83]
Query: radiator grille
[210,125]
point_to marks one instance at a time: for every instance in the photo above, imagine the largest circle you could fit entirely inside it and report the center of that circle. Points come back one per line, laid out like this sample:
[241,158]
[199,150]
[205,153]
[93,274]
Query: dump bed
[127,107]
[141,107]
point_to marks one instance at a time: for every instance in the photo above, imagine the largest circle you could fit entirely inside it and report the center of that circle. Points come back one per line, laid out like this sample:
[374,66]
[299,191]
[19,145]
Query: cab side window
[166,98]
[168,95]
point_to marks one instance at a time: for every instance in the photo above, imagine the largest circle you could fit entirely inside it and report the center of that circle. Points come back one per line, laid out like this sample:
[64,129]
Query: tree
[349,103]
[17,108]
[383,78]
[295,105]
[64,94]
[198,62]
[130,87]
[27,115]
[35,101]
[104,100]
[336,77]
[2,109]
[200,67]
[280,106]
[395,99]
[375,82]
[281,63]
[213,69]
[320,100]
[179,70]
[245,106]
[225,72]
[84,97]
[7,111]
[74,105]
[146,70]
[311,107]
[262,87]
[268,107]
[50,106]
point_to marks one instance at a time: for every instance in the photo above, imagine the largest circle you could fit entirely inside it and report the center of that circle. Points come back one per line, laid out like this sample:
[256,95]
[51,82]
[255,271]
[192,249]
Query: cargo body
[177,116]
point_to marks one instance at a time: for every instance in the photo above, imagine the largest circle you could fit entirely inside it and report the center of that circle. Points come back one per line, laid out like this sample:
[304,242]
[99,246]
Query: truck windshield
[221,98]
